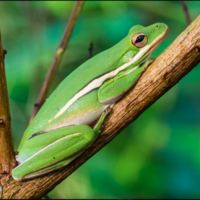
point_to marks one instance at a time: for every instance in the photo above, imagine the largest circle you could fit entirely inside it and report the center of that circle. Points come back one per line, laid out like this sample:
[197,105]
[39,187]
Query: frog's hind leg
[68,143]
[60,164]
[51,168]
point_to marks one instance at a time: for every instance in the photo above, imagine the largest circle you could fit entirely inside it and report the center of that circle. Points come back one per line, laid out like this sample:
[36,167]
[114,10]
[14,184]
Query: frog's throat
[96,83]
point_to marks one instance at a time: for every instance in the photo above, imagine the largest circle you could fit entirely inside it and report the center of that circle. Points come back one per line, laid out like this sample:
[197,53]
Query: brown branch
[58,55]
[177,60]
[6,151]
[186,12]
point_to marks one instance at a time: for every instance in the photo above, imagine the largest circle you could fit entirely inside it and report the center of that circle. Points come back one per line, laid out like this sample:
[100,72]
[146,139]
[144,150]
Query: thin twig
[58,55]
[6,150]
[172,65]
[186,12]
[90,49]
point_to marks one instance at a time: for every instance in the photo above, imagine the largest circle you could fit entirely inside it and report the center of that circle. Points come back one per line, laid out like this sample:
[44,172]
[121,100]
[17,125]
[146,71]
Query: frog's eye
[139,40]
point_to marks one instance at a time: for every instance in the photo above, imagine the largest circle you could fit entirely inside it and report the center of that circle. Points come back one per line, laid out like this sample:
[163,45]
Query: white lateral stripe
[98,82]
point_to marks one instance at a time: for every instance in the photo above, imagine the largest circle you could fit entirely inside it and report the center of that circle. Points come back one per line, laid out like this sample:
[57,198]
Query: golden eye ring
[139,40]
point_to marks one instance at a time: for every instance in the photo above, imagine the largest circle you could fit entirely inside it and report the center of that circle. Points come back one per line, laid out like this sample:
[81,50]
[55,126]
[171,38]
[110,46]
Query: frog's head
[143,40]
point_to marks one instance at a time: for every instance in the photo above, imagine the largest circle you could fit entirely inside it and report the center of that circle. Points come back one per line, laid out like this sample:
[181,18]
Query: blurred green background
[156,156]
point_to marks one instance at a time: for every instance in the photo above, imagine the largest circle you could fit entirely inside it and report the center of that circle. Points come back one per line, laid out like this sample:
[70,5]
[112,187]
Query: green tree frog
[71,118]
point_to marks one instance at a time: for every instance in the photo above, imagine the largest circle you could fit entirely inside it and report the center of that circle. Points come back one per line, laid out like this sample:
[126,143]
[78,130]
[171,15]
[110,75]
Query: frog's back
[73,83]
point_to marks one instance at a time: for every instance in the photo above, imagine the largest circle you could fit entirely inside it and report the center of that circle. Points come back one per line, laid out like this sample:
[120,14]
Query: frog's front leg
[68,143]
[113,89]
[100,122]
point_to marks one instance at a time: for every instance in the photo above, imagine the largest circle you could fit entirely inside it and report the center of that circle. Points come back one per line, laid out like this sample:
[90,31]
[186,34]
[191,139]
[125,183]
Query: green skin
[59,133]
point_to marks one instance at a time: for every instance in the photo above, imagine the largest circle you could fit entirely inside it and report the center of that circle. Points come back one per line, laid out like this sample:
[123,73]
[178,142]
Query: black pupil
[139,38]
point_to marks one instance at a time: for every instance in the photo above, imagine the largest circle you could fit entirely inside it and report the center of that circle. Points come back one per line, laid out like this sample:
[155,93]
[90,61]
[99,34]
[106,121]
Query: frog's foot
[17,158]
[51,168]
[148,62]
